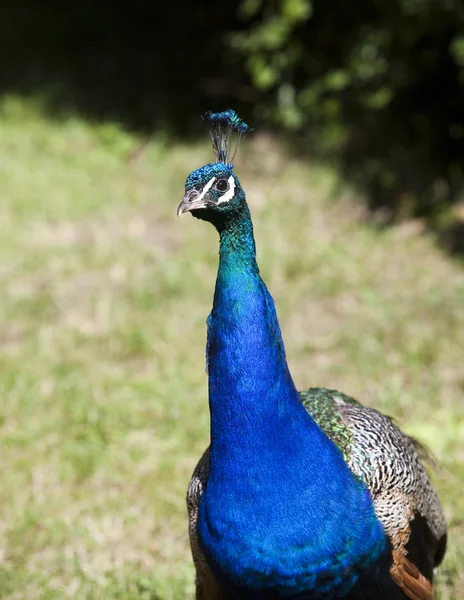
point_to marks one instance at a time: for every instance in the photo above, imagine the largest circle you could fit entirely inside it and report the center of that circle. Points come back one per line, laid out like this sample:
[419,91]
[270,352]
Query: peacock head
[213,192]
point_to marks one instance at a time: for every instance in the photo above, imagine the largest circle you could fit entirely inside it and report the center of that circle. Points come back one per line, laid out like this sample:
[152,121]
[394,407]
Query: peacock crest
[222,126]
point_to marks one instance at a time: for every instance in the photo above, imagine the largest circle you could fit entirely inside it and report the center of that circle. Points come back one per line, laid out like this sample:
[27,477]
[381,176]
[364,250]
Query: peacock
[304,495]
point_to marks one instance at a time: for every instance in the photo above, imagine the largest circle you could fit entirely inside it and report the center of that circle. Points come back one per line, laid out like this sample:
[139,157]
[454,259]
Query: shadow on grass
[143,63]
[452,239]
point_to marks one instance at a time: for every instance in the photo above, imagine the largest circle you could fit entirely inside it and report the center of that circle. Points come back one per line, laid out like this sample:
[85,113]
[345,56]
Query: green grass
[103,298]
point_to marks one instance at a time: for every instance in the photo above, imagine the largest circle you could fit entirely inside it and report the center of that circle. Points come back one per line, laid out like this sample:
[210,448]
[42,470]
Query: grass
[103,298]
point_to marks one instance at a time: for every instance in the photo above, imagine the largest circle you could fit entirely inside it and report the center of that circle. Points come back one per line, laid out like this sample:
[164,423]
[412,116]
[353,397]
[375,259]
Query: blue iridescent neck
[248,372]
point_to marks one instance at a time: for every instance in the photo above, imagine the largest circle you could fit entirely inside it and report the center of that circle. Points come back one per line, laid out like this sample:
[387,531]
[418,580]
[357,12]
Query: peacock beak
[192,200]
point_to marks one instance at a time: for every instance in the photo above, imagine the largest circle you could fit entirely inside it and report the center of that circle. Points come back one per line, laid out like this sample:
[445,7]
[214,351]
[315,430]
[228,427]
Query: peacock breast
[262,541]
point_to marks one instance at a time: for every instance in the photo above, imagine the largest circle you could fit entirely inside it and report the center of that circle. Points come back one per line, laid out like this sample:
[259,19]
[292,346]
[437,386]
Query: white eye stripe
[230,192]
[206,189]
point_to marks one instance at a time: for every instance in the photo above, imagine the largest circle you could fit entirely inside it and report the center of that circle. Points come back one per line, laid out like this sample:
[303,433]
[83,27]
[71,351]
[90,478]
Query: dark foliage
[377,84]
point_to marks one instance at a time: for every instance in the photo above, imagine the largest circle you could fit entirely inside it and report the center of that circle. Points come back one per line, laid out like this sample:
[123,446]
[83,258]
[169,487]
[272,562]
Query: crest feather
[222,125]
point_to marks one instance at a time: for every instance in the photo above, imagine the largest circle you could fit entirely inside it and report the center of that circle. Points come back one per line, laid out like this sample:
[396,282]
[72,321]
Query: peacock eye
[221,185]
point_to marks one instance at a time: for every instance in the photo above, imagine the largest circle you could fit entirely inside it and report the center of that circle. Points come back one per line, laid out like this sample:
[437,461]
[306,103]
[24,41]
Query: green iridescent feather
[321,404]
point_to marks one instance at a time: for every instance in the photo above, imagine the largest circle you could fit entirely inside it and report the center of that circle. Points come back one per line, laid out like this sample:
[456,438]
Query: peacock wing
[389,464]
[207,587]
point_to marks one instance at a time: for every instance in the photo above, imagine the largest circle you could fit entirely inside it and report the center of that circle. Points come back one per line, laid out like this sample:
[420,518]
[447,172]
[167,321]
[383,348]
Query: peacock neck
[249,380]
[237,243]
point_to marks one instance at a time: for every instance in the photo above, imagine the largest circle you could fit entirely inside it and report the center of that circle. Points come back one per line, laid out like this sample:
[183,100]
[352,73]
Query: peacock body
[300,495]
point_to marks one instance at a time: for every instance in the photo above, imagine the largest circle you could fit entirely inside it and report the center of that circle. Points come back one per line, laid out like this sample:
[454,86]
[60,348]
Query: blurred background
[355,179]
